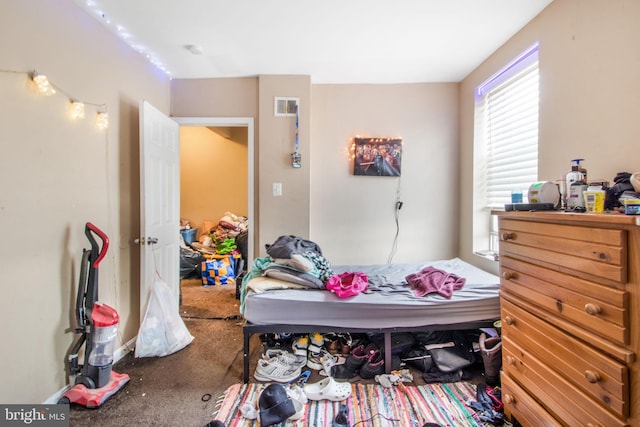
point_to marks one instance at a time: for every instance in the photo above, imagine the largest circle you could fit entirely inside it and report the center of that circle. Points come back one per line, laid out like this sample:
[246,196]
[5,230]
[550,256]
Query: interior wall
[352,217]
[289,213]
[57,174]
[589,95]
[213,174]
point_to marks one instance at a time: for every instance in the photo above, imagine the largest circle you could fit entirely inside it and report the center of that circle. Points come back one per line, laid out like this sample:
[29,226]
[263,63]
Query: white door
[159,202]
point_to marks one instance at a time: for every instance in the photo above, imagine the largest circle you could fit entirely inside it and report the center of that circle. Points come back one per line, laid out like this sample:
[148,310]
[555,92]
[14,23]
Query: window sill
[487,254]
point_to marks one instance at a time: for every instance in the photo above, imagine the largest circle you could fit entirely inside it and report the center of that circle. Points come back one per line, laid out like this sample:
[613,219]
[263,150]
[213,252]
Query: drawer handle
[508,275]
[592,309]
[508,236]
[509,320]
[592,377]
[511,360]
[509,399]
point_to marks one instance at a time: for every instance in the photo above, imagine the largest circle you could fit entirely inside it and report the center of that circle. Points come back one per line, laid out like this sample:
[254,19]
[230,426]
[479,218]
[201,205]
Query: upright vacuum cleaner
[97,324]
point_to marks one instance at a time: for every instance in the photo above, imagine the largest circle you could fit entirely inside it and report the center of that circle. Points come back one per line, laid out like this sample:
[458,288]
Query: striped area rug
[370,405]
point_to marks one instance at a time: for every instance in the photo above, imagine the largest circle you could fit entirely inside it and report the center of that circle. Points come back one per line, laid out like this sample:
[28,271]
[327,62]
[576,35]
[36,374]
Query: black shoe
[373,366]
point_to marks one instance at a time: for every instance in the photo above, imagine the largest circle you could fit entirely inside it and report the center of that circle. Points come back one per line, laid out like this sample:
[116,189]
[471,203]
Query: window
[505,143]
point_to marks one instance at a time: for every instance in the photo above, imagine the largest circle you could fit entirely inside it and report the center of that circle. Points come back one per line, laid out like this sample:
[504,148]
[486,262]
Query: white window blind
[508,109]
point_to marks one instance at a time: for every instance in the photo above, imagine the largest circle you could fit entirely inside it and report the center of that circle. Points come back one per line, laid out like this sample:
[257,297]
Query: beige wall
[56,175]
[352,217]
[289,213]
[213,173]
[589,94]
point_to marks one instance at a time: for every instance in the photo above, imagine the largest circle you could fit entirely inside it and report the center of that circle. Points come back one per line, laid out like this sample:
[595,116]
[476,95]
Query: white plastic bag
[162,331]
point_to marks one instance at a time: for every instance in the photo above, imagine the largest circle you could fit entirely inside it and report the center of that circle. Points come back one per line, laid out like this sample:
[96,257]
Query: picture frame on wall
[377,156]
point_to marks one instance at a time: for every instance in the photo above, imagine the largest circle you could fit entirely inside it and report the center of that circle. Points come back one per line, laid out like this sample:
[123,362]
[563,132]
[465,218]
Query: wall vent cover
[284,107]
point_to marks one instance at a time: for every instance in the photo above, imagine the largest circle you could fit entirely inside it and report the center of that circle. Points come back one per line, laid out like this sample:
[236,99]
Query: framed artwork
[377,156]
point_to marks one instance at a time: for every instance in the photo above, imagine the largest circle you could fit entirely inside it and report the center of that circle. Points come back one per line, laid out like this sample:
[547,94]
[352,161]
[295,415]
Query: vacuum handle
[101,252]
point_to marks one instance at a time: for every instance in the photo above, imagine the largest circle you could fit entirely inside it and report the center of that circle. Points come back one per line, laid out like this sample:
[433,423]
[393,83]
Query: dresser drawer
[596,379]
[559,397]
[586,252]
[518,404]
[600,309]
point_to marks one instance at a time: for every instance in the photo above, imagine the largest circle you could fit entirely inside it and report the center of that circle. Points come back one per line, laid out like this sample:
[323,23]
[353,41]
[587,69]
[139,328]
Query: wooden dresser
[570,302]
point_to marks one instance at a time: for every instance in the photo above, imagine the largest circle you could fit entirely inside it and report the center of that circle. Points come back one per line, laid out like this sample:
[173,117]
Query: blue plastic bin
[188,235]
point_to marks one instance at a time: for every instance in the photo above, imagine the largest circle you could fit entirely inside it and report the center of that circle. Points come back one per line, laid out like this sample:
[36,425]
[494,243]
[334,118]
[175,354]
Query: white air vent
[285,106]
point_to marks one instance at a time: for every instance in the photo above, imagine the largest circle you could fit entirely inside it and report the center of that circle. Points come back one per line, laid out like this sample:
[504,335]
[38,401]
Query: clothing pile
[229,227]
[294,262]
[294,259]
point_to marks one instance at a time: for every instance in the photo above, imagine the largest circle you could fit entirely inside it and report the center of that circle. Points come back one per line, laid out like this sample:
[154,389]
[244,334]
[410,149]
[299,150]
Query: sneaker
[317,341]
[275,370]
[329,362]
[316,360]
[288,358]
[299,346]
[345,341]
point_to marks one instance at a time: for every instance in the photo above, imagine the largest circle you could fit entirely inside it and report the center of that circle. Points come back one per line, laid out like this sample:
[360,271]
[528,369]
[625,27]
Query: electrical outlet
[277,189]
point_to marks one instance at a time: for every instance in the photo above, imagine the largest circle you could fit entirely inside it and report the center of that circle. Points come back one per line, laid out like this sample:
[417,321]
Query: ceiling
[333,41]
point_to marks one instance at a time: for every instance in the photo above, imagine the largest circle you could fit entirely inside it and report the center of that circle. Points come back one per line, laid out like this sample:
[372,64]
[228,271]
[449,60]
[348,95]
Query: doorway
[231,122]
[216,177]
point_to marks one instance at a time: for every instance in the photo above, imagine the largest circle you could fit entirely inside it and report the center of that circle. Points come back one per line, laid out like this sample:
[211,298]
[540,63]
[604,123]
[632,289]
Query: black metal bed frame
[249,328]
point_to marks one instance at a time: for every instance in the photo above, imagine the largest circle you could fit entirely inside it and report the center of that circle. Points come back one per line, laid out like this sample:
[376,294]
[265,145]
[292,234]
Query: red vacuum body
[95,380]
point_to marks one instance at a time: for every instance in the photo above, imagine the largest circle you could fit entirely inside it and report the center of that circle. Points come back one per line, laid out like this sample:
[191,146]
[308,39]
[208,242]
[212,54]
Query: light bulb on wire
[43,85]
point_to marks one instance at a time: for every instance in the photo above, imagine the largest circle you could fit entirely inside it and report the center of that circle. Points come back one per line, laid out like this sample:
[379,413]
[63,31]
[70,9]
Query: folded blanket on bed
[262,284]
[432,280]
[266,266]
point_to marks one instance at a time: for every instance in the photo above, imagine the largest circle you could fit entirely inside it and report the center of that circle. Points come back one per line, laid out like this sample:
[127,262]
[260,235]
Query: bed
[390,305]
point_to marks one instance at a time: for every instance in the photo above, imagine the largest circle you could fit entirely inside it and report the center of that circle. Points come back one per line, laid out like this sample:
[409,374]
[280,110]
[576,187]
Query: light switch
[277,189]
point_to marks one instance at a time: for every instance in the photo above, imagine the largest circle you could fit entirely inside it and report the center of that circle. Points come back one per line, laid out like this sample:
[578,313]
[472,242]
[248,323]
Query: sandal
[328,389]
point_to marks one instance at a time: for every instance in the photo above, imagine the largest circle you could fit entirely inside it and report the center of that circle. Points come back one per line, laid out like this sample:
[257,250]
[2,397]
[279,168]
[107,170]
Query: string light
[102,120]
[351,150]
[77,109]
[42,83]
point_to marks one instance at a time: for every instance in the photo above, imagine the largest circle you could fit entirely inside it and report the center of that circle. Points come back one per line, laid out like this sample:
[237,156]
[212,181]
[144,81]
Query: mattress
[389,303]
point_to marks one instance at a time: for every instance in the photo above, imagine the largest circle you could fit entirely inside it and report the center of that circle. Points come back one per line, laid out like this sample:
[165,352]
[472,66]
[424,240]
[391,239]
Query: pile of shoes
[340,356]
[366,360]
[313,347]
[286,396]
[331,354]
